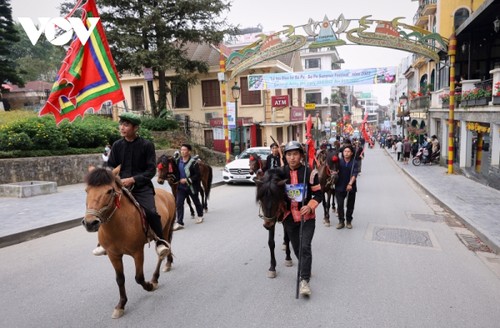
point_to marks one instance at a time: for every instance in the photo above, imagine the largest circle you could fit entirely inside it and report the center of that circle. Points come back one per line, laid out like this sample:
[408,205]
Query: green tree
[39,62]
[155,33]
[8,37]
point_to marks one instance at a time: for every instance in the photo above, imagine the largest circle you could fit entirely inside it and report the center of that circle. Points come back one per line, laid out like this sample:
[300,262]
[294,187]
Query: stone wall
[72,169]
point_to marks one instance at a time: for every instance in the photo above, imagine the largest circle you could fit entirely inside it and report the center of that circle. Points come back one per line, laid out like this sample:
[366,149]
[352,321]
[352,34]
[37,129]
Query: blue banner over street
[381,75]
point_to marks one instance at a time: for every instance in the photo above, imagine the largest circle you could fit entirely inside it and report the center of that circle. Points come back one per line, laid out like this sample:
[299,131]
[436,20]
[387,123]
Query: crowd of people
[406,149]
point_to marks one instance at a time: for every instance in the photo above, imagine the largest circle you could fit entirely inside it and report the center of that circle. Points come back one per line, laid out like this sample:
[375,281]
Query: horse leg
[204,202]
[168,264]
[139,272]
[326,209]
[116,261]
[271,273]
[286,240]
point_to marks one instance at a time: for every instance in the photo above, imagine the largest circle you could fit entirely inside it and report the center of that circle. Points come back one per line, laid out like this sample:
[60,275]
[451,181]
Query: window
[313,63]
[461,16]
[313,98]
[249,97]
[180,95]
[137,94]
[210,93]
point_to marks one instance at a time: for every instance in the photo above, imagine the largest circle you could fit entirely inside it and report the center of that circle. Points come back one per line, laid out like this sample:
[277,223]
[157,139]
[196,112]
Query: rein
[112,205]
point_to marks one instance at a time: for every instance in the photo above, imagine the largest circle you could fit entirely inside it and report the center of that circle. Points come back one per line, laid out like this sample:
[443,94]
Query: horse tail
[209,181]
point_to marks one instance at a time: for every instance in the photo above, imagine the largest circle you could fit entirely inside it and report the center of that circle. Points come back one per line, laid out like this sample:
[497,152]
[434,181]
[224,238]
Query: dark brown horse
[113,213]
[328,167]
[169,171]
[271,195]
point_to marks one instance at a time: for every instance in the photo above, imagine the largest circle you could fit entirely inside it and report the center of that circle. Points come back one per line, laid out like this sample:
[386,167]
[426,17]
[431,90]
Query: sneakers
[340,225]
[304,289]
[199,220]
[348,225]
[99,250]
[178,226]
[162,250]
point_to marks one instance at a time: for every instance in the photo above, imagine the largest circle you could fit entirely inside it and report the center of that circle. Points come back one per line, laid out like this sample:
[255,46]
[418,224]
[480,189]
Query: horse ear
[116,170]
[257,181]
[282,182]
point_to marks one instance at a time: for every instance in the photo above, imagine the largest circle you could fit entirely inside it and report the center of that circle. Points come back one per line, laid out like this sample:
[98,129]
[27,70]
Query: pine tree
[8,37]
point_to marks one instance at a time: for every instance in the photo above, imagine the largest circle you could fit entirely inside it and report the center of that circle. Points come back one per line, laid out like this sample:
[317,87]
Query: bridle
[112,205]
[259,162]
[171,177]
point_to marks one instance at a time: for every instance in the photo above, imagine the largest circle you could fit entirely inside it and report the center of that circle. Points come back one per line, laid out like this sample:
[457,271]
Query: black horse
[328,169]
[169,171]
[271,194]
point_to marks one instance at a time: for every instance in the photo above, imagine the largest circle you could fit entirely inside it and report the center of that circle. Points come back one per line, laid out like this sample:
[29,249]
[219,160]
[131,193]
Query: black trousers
[293,231]
[351,199]
[146,198]
[182,194]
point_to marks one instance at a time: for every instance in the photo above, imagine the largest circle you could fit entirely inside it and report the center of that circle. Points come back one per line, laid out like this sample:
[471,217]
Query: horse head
[255,163]
[167,170]
[333,165]
[103,197]
[271,194]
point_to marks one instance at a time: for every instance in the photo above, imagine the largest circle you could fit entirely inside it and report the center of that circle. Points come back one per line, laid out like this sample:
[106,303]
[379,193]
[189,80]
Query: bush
[15,141]
[159,124]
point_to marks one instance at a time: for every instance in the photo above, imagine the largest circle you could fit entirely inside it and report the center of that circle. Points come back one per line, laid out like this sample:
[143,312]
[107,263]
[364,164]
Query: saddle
[145,225]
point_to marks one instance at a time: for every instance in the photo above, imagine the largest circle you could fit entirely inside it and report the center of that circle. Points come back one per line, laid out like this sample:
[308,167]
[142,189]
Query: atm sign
[279,101]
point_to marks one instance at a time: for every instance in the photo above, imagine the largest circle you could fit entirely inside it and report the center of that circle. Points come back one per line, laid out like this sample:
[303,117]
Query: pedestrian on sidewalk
[301,211]
[346,188]
[189,185]
[406,151]
[137,160]
[399,149]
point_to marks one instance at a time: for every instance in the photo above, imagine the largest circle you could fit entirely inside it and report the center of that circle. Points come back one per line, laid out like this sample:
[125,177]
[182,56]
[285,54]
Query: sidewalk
[477,205]
[22,219]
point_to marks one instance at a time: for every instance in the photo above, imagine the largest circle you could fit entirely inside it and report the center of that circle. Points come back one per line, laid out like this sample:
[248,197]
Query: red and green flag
[311,151]
[87,78]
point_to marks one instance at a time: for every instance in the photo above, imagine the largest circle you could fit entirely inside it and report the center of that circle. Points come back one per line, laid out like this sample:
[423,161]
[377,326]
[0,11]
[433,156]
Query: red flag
[87,78]
[311,151]
[364,133]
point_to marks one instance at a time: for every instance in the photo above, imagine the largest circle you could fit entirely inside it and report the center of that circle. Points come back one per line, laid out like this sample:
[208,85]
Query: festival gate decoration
[87,78]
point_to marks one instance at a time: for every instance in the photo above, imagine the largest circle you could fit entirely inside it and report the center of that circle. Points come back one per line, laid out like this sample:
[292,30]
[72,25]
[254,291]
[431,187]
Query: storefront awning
[288,123]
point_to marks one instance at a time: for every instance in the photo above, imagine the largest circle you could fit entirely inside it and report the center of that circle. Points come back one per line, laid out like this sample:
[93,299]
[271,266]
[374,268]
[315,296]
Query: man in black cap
[346,187]
[301,181]
[137,159]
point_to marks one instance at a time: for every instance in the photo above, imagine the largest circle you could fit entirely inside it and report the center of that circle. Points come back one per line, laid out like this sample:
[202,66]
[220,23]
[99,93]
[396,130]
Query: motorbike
[423,157]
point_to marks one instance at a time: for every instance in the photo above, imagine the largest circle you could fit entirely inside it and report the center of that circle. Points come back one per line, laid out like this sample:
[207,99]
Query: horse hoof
[288,263]
[206,210]
[271,274]
[283,247]
[155,285]
[326,223]
[117,313]
[166,268]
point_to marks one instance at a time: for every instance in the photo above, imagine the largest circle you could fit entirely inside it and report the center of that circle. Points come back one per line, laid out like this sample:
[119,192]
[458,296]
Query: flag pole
[306,164]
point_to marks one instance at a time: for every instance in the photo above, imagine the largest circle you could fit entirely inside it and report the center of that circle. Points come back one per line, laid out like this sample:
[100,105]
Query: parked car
[239,170]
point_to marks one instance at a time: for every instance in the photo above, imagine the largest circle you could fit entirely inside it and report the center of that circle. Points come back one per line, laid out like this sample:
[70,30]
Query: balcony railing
[420,103]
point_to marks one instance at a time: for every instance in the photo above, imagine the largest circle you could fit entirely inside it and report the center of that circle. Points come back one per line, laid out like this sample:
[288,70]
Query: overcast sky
[273,14]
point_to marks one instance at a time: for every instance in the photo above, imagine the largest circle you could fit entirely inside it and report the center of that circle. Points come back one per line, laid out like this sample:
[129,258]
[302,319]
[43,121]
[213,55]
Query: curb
[21,237]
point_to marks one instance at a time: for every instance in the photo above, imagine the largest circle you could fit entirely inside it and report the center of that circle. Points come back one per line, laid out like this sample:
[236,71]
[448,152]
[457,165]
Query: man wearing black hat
[137,159]
[346,187]
[301,181]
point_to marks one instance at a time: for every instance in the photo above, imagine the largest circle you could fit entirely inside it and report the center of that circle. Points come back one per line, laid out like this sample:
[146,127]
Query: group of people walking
[137,159]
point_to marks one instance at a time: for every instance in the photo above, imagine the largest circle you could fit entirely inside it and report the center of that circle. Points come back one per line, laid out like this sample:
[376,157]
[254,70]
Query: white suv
[239,169]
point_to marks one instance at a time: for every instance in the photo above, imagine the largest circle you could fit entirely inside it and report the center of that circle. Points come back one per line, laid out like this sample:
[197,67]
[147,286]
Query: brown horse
[328,167]
[271,195]
[113,213]
[169,171]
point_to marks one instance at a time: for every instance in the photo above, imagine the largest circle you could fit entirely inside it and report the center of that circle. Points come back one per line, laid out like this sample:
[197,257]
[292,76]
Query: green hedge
[40,136]
[159,124]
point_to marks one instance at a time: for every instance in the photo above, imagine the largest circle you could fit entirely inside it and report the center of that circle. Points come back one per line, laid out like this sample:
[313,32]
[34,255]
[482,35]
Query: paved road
[476,205]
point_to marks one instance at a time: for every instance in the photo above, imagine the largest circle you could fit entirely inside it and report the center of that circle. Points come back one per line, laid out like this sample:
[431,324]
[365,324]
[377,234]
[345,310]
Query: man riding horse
[137,160]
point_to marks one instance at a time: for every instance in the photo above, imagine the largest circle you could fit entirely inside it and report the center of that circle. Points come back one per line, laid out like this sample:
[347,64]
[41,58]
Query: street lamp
[402,103]
[235,90]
